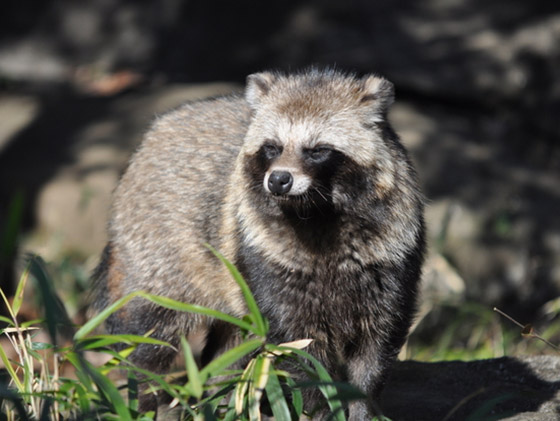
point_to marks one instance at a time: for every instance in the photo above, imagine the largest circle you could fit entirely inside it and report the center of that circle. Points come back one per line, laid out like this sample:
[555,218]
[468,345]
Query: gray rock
[67,167]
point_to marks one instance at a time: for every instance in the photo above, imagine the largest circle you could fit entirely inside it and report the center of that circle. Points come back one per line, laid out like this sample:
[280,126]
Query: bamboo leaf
[94,322]
[18,296]
[192,308]
[112,394]
[55,313]
[8,306]
[260,322]
[276,397]
[242,387]
[101,341]
[260,376]
[297,396]
[257,385]
[217,365]
[195,381]
[10,369]
[326,386]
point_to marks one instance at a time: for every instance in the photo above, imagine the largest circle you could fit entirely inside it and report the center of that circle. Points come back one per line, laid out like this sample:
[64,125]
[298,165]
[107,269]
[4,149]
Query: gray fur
[337,261]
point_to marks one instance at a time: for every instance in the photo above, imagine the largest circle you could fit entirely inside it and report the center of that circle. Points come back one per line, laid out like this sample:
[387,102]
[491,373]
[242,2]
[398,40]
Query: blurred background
[478,106]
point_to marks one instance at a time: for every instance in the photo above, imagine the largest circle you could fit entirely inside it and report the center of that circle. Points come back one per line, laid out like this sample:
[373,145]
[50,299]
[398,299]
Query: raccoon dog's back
[303,184]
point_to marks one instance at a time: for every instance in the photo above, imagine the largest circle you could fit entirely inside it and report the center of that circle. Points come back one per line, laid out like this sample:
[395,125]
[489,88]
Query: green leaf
[94,322]
[326,386]
[132,391]
[258,384]
[276,397]
[112,394]
[30,323]
[208,414]
[260,322]
[297,397]
[15,399]
[101,341]
[195,382]
[242,387]
[216,366]
[38,346]
[82,375]
[192,308]
[231,413]
[8,306]
[18,296]
[10,369]
[55,314]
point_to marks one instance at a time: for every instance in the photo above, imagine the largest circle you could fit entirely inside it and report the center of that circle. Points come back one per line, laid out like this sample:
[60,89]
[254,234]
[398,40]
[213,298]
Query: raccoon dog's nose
[280,182]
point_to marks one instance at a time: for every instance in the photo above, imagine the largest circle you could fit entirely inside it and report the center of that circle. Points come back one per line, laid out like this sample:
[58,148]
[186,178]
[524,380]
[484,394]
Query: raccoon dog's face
[312,142]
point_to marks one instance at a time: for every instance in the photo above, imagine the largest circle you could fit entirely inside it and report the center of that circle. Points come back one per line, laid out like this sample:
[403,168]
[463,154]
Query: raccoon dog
[300,182]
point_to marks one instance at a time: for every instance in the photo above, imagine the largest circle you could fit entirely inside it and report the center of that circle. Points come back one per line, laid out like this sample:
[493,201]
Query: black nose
[280,182]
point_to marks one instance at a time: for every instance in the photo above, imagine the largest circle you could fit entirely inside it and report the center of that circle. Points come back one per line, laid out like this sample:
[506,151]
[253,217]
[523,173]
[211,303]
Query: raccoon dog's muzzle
[286,182]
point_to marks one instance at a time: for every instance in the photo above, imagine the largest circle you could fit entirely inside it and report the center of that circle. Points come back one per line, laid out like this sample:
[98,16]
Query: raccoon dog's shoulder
[168,203]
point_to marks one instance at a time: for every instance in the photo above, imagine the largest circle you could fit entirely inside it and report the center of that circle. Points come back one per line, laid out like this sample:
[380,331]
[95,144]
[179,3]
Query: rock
[492,206]
[520,389]
[73,177]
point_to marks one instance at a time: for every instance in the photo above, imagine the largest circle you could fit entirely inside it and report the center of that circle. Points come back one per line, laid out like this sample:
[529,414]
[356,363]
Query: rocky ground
[517,389]
[478,101]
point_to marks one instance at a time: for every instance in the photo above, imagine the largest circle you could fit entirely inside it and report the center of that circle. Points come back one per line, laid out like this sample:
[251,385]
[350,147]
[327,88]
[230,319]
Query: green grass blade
[195,382]
[18,296]
[94,322]
[8,306]
[326,387]
[192,308]
[81,374]
[208,413]
[55,314]
[261,324]
[4,319]
[102,341]
[132,391]
[10,369]
[242,387]
[166,302]
[16,400]
[297,397]
[253,395]
[276,397]
[231,413]
[258,384]
[112,394]
[217,365]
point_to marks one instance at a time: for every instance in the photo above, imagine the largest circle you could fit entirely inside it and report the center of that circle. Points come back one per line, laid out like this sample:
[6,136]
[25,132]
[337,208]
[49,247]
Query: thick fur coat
[303,184]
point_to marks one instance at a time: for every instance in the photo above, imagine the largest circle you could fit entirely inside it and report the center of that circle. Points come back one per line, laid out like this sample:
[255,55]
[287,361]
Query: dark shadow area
[483,73]
[478,390]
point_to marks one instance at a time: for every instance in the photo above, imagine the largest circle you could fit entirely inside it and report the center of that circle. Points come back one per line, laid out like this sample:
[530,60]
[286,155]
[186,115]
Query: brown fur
[334,257]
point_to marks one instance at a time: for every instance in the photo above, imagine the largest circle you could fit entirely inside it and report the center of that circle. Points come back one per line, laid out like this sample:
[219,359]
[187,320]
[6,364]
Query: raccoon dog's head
[315,140]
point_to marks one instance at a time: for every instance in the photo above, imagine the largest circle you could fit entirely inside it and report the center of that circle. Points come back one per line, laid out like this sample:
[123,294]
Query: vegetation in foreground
[52,376]
[34,387]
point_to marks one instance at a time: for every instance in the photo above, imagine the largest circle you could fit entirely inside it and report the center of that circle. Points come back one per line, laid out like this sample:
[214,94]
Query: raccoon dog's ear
[378,93]
[258,85]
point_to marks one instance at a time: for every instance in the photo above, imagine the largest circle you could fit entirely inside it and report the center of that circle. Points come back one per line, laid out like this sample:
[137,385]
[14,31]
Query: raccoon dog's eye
[271,150]
[318,154]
